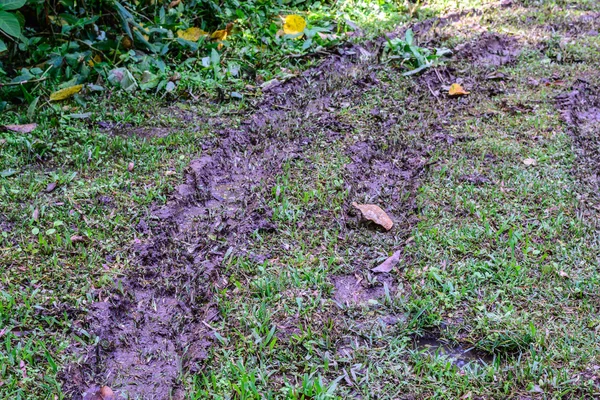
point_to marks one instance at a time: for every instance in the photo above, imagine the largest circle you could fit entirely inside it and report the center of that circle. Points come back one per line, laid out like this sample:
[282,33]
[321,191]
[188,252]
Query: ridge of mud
[580,110]
[490,50]
[155,325]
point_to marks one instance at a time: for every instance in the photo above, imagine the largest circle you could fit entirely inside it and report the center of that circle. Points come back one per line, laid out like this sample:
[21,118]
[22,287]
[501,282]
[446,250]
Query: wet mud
[580,110]
[460,356]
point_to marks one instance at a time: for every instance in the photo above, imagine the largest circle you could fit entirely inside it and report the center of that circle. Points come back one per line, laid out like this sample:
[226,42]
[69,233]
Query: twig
[433,93]
[23,82]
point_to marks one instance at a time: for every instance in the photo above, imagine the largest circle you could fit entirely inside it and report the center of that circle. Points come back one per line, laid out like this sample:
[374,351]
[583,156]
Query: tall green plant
[9,23]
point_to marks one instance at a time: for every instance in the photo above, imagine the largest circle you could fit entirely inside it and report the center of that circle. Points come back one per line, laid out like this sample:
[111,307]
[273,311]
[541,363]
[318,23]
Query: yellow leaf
[65,93]
[457,90]
[219,35]
[222,34]
[97,59]
[294,24]
[191,34]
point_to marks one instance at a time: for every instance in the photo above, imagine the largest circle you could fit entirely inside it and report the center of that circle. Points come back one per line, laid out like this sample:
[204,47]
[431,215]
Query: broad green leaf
[9,24]
[11,4]
[409,37]
[2,46]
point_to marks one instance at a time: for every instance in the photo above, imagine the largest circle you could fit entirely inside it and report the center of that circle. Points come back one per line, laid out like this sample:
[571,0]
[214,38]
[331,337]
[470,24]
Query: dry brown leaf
[529,162]
[77,239]
[376,214]
[36,214]
[388,264]
[174,3]
[51,186]
[26,128]
[130,166]
[127,42]
[457,90]
[563,274]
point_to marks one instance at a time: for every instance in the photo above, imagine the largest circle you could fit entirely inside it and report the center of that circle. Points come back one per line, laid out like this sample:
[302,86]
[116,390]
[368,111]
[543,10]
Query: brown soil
[490,50]
[580,109]
[352,290]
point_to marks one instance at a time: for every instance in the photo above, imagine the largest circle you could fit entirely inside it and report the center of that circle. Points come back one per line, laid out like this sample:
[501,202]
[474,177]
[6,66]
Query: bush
[73,42]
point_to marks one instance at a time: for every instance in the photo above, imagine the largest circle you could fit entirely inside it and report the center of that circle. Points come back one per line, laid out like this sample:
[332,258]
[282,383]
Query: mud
[460,356]
[580,110]
[587,24]
[490,50]
[5,224]
[353,290]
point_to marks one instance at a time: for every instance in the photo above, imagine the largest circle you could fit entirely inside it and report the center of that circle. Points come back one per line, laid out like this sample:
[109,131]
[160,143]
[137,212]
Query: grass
[506,266]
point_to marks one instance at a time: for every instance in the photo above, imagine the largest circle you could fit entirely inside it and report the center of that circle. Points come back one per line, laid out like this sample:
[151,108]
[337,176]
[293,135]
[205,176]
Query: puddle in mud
[459,356]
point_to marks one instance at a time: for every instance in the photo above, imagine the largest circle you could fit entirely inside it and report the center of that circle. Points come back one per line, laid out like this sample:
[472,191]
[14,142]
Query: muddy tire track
[155,324]
[580,110]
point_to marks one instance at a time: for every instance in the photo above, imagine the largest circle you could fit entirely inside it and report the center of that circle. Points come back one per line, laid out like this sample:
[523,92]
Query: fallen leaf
[388,264]
[103,393]
[222,34]
[106,392]
[77,239]
[130,166]
[169,173]
[529,162]
[376,214]
[191,34]
[23,367]
[127,42]
[51,186]
[457,90]
[36,214]
[294,24]
[26,128]
[563,274]
[328,36]
[495,76]
[65,93]
[174,3]
[96,60]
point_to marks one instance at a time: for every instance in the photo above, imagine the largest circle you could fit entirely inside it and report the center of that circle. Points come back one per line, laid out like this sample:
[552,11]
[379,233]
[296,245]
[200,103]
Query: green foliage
[9,23]
[136,45]
[412,57]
